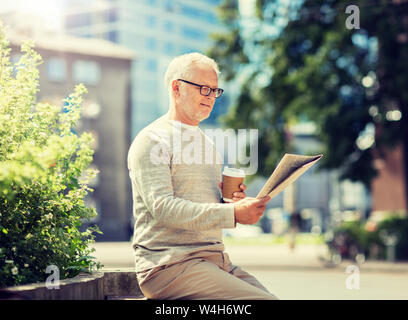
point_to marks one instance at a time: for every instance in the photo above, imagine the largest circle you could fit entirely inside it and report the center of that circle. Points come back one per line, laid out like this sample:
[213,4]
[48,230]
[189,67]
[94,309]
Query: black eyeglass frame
[204,86]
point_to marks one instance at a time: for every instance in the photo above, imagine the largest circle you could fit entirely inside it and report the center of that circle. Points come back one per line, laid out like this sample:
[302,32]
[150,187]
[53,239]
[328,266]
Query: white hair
[180,66]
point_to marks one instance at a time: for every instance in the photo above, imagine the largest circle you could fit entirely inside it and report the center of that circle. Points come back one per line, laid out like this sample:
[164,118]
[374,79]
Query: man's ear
[175,87]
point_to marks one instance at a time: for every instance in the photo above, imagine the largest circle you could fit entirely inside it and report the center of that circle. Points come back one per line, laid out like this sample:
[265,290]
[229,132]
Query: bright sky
[50,10]
[4,7]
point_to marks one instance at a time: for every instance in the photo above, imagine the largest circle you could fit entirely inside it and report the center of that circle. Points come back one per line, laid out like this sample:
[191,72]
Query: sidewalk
[260,257]
[304,257]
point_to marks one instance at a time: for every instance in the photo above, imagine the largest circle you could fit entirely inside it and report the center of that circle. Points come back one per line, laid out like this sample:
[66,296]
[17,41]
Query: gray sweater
[175,169]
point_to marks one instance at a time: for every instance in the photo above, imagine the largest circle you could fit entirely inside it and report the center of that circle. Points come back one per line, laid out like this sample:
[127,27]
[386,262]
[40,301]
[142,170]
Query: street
[329,284]
[297,275]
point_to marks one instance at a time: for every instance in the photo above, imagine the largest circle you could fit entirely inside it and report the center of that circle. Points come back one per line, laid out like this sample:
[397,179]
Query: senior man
[179,217]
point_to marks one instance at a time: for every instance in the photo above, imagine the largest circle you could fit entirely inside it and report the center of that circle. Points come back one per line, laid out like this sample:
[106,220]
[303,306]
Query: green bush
[367,235]
[44,172]
[397,226]
[355,234]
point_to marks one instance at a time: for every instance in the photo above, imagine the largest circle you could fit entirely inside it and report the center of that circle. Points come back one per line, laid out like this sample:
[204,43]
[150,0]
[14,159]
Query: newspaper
[291,167]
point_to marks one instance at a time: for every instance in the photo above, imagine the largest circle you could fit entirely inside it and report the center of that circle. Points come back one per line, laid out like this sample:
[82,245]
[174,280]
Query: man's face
[192,106]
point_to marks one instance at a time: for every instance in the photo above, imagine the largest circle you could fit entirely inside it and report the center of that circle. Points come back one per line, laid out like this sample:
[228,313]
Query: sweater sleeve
[149,170]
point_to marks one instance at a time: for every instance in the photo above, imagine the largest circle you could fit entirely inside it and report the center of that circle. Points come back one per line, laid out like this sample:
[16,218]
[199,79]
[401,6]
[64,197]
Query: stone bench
[107,284]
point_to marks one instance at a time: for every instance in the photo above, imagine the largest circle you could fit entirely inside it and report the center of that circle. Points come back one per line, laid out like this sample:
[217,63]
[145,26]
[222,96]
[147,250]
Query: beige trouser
[202,276]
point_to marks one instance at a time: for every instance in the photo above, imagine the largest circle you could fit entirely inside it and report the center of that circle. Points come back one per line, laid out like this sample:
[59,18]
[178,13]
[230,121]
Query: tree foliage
[44,171]
[297,61]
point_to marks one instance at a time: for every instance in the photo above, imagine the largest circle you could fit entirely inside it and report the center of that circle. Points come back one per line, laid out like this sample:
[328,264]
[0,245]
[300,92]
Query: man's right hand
[249,210]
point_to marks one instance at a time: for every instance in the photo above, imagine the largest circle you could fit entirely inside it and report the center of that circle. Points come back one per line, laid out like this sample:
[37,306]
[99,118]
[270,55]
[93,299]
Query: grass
[269,239]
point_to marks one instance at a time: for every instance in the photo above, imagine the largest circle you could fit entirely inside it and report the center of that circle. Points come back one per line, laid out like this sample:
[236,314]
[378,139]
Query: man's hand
[250,210]
[237,195]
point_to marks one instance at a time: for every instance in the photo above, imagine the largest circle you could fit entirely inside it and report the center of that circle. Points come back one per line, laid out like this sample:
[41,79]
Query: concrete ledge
[121,283]
[82,287]
[112,284]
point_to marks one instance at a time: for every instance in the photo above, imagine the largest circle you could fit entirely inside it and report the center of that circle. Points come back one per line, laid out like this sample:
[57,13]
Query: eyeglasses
[205,90]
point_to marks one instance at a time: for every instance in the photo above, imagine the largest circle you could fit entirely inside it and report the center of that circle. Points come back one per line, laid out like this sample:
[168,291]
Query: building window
[169,48]
[151,21]
[87,72]
[193,33]
[56,69]
[112,36]
[168,26]
[78,20]
[169,6]
[151,43]
[198,14]
[111,15]
[151,65]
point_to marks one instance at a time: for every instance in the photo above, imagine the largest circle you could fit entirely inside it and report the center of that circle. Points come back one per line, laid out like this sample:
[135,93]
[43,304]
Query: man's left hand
[237,195]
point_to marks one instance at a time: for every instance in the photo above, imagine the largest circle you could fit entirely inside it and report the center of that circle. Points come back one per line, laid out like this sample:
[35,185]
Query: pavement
[292,275]
[119,255]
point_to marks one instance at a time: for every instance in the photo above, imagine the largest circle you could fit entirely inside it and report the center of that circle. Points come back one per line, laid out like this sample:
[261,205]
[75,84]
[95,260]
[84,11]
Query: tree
[299,60]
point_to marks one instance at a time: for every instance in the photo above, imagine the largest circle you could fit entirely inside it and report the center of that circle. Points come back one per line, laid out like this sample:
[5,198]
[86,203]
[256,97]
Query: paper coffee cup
[231,180]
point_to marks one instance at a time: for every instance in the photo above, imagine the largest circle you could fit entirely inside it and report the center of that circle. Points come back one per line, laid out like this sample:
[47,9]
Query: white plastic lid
[234,172]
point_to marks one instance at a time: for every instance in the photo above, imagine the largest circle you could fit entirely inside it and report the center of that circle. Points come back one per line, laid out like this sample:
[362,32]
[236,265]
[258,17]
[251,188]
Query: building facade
[157,30]
[391,172]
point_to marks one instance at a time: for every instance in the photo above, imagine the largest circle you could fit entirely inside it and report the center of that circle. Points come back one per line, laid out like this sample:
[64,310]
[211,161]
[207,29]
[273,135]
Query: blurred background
[312,76]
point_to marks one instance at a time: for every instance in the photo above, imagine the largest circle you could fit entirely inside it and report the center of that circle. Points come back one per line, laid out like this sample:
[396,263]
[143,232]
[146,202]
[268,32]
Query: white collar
[183,125]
